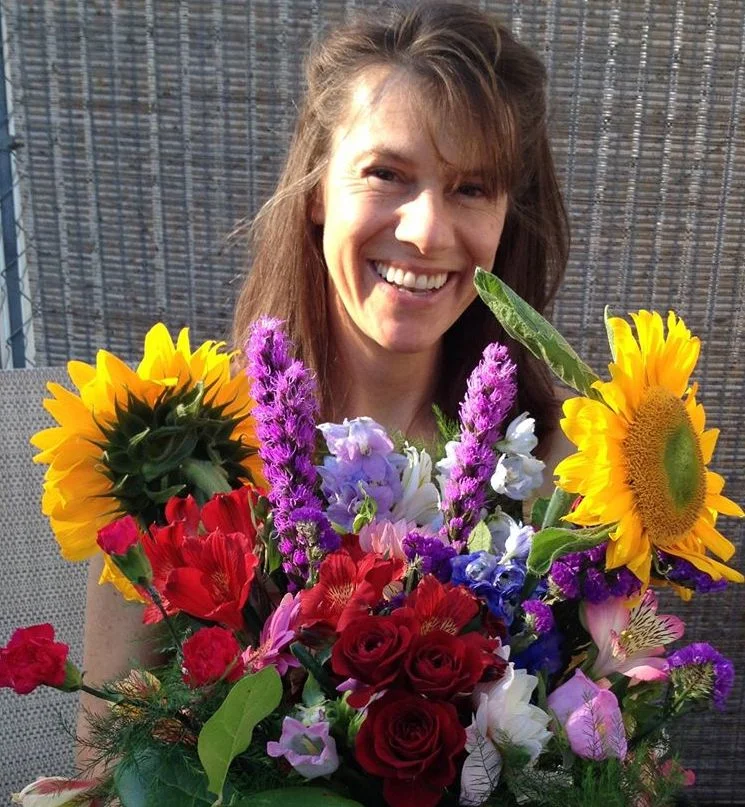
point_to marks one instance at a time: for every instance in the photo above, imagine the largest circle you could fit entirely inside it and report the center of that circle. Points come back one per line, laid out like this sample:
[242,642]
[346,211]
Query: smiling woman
[420,152]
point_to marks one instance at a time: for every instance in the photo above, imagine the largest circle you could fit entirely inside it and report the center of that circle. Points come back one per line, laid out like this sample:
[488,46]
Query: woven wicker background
[149,128]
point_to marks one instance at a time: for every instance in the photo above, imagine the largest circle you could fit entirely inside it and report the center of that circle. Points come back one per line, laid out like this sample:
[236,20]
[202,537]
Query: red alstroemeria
[346,589]
[231,512]
[215,582]
[163,548]
[440,607]
[184,510]
[226,513]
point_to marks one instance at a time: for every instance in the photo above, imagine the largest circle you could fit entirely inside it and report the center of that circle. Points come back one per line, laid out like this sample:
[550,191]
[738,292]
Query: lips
[409,280]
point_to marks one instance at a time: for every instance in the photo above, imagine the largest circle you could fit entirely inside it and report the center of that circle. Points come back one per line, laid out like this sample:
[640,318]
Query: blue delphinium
[499,584]
[361,465]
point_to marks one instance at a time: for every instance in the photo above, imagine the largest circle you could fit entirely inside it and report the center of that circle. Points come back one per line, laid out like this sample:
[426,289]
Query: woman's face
[403,228]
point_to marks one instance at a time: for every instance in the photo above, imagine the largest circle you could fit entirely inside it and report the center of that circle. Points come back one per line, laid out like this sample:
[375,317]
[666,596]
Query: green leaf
[154,779]
[553,542]
[228,732]
[297,797]
[527,326]
[312,692]
[558,506]
[538,510]
[480,538]
[366,513]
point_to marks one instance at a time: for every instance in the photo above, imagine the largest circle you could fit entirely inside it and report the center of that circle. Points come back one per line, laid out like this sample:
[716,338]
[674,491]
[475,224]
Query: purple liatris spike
[285,413]
[489,397]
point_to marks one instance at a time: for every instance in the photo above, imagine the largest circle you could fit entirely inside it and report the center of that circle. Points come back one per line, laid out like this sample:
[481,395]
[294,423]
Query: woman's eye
[472,190]
[383,174]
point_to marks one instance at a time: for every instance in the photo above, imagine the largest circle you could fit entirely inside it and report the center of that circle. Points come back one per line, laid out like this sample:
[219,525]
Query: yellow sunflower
[642,456]
[125,440]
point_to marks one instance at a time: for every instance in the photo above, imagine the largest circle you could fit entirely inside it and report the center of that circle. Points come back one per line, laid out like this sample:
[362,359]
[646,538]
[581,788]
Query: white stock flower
[445,466]
[517,476]
[520,436]
[509,537]
[420,501]
[505,715]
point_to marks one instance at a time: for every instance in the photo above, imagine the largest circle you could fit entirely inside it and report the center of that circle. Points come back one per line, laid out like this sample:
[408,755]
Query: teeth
[409,280]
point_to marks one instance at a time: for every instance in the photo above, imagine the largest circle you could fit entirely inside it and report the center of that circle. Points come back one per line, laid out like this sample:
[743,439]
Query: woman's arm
[114,637]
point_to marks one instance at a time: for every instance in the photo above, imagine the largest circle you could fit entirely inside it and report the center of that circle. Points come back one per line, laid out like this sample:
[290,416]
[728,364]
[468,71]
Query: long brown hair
[474,72]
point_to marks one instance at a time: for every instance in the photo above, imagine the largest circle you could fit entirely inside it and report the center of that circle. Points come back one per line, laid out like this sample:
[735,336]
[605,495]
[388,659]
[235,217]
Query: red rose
[32,658]
[441,665]
[119,537]
[410,742]
[207,656]
[371,649]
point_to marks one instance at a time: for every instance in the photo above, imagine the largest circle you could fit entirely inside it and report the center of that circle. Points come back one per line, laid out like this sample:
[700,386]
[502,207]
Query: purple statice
[361,465]
[498,584]
[543,654]
[685,574]
[489,397]
[582,575]
[430,555]
[286,411]
[700,672]
[539,615]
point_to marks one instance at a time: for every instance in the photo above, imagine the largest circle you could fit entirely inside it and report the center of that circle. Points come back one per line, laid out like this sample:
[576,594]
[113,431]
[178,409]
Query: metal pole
[8,223]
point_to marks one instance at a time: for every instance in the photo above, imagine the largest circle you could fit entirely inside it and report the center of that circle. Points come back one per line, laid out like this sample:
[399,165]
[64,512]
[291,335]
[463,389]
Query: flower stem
[99,693]
[158,602]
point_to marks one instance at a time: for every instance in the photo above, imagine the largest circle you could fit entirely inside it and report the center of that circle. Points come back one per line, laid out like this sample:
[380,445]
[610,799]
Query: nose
[426,222]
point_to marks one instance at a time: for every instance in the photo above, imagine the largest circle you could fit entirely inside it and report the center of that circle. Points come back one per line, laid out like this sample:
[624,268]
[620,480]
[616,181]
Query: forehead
[391,111]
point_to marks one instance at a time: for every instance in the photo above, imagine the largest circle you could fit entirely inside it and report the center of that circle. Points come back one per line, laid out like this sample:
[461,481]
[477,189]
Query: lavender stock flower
[286,412]
[361,464]
[490,395]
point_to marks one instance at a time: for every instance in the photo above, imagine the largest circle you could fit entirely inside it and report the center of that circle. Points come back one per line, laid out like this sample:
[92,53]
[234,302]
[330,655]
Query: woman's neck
[395,389]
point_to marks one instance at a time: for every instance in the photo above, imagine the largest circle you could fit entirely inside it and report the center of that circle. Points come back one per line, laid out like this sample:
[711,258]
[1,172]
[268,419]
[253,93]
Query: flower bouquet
[346,622]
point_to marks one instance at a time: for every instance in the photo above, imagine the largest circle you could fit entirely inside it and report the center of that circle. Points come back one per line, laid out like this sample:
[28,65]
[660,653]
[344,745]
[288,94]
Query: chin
[412,339]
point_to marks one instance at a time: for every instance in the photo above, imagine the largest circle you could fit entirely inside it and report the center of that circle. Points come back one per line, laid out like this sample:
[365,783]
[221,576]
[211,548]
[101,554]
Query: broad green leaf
[157,779]
[527,326]
[297,797]
[553,542]
[228,732]
[312,692]
[480,538]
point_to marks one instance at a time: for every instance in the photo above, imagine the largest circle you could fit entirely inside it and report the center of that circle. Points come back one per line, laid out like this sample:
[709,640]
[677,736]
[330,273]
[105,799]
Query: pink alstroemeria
[56,791]
[630,639]
[386,537]
[591,718]
[275,637]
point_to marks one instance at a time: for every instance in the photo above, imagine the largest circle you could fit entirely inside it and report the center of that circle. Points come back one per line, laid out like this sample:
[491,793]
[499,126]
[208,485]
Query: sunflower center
[665,467]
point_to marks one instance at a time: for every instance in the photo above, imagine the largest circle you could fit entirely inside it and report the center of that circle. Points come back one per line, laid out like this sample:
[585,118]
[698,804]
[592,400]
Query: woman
[420,153]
